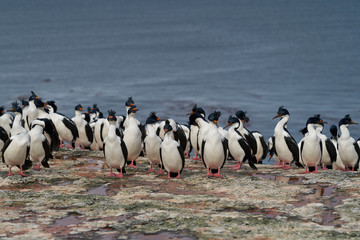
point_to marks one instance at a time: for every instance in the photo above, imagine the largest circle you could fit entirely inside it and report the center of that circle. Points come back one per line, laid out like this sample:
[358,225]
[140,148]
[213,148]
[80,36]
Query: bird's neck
[280,125]
[345,133]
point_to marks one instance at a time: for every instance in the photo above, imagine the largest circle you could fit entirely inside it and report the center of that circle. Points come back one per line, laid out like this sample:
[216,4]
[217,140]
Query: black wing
[180,135]
[264,146]
[27,163]
[89,133]
[3,135]
[71,126]
[294,149]
[225,148]
[202,153]
[118,133]
[104,149]
[143,131]
[181,152]
[54,136]
[124,150]
[6,145]
[357,149]
[46,147]
[330,147]
[101,132]
[301,149]
[252,142]
[273,140]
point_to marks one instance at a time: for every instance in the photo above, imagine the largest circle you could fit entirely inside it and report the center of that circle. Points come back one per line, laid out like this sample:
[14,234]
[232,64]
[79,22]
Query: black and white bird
[238,146]
[152,142]
[17,126]
[334,139]
[114,148]
[16,149]
[132,137]
[65,127]
[3,137]
[285,146]
[6,120]
[311,148]
[250,138]
[328,158]
[85,132]
[177,132]
[194,132]
[214,147]
[348,149]
[171,154]
[39,145]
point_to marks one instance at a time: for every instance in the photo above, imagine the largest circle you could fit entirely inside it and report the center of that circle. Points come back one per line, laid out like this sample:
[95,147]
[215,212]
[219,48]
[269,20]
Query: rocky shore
[75,200]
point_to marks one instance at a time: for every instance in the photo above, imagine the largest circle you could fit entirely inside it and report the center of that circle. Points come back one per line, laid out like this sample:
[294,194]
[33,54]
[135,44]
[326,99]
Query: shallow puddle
[72,219]
[162,236]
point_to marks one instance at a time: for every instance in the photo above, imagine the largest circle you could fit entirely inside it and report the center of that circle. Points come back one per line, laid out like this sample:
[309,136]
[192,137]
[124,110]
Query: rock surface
[75,200]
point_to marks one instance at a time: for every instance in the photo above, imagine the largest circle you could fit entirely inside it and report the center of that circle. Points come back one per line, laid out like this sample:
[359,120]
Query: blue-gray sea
[168,55]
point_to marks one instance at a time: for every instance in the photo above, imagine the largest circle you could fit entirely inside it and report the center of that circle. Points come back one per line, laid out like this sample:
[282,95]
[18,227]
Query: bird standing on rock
[152,142]
[86,135]
[132,137]
[238,146]
[214,147]
[348,149]
[114,148]
[285,146]
[171,153]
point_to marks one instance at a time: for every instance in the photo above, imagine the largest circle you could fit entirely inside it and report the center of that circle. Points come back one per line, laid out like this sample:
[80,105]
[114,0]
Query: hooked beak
[277,115]
[352,122]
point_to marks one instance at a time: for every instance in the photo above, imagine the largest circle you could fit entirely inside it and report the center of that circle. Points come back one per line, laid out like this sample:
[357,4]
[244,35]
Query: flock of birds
[35,129]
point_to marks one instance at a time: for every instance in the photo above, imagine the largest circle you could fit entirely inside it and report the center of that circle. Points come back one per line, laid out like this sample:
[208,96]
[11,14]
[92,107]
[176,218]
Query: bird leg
[209,173]
[37,167]
[277,164]
[111,173]
[178,176]
[324,167]
[286,167]
[316,171]
[281,165]
[186,155]
[169,174]
[151,169]
[131,165]
[10,173]
[306,170]
[218,174]
[120,175]
[21,172]
[237,166]
[196,157]
[160,171]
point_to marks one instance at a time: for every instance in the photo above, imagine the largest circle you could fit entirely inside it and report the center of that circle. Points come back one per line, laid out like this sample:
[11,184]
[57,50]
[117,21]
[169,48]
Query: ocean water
[168,55]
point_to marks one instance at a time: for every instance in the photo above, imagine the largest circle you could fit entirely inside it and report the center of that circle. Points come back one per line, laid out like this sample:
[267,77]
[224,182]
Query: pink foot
[10,174]
[37,167]
[160,171]
[178,176]
[286,168]
[150,171]
[111,175]
[218,175]
[196,158]
[132,165]
[120,175]
[237,166]
[22,174]
[186,155]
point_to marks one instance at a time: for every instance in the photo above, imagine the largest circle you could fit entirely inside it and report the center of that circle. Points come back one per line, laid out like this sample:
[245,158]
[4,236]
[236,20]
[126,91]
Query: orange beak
[277,115]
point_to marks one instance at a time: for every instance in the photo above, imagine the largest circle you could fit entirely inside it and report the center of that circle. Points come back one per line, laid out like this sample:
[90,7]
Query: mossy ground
[75,199]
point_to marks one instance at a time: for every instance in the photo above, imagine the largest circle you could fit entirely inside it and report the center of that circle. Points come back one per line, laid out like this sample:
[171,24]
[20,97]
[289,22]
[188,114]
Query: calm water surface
[168,55]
